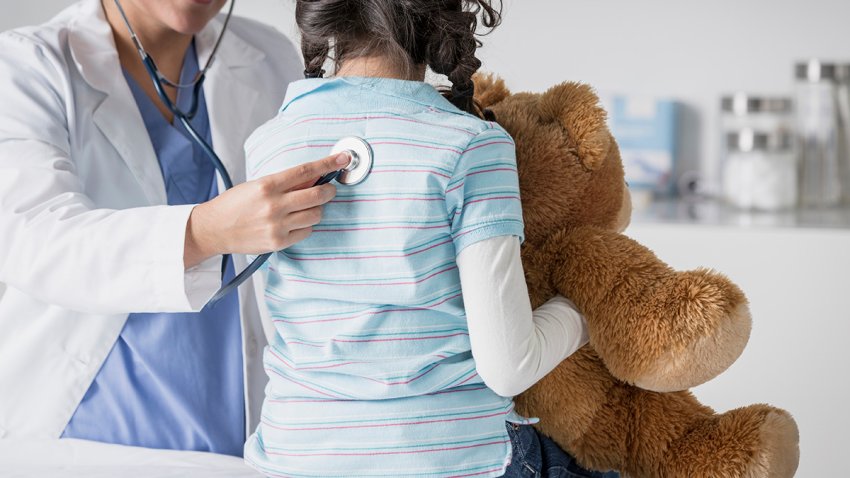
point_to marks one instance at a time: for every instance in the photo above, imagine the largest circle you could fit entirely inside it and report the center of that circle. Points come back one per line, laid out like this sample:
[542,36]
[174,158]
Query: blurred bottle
[818,118]
[843,99]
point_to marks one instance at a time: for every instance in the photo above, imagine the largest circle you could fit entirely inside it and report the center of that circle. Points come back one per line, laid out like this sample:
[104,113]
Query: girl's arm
[513,347]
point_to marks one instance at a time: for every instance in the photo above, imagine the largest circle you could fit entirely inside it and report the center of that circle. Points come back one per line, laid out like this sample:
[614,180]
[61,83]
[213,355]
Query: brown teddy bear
[621,402]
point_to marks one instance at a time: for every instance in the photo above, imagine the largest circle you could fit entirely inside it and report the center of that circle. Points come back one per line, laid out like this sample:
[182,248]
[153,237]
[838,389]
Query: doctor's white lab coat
[85,236]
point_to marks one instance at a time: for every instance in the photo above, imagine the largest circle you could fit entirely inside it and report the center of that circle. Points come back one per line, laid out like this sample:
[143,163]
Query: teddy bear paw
[706,328]
[758,441]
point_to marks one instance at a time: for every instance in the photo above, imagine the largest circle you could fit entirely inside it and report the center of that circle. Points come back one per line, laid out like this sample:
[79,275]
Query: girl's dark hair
[438,33]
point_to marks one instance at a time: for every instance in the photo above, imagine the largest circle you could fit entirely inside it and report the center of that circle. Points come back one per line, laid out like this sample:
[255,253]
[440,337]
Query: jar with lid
[760,170]
[819,133]
[772,115]
[843,101]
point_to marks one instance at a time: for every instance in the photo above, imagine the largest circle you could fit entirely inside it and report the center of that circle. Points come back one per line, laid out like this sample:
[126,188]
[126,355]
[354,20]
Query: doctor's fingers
[295,237]
[302,219]
[304,175]
[300,200]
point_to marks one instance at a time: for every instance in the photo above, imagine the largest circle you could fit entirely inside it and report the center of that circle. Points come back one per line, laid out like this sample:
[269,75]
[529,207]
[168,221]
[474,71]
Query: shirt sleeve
[513,347]
[482,196]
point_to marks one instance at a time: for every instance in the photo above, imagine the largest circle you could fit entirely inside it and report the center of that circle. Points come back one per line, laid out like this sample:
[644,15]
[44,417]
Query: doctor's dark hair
[441,34]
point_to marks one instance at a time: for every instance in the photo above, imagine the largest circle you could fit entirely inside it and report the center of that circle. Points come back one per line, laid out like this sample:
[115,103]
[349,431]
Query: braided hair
[441,34]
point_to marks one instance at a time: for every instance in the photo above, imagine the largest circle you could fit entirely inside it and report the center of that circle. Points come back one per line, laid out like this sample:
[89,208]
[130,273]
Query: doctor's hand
[264,215]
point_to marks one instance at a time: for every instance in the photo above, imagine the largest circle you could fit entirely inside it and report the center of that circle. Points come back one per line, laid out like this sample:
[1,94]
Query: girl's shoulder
[472,127]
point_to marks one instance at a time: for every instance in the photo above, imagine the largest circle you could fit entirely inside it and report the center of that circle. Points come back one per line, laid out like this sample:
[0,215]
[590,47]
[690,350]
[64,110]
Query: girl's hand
[268,214]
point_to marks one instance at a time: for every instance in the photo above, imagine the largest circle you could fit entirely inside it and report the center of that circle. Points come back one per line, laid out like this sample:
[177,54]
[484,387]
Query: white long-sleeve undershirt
[513,347]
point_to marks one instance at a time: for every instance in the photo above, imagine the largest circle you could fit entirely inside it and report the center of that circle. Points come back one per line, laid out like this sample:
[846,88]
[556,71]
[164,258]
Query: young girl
[403,324]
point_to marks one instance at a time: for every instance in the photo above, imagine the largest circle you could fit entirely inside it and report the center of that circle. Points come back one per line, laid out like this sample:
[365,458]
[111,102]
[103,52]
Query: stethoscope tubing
[253,267]
[185,117]
[258,262]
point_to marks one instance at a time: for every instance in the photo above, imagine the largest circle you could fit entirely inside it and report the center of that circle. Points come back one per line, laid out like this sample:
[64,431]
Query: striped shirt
[371,370]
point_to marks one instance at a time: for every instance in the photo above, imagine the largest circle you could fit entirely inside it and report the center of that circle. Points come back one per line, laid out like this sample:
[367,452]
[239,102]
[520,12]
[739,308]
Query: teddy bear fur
[620,403]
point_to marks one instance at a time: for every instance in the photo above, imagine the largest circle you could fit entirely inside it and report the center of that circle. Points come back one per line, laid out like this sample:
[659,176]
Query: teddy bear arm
[654,327]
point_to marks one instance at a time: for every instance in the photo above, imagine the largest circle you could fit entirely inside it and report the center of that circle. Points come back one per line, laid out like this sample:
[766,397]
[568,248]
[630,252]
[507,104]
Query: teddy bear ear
[576,107]
[489,90]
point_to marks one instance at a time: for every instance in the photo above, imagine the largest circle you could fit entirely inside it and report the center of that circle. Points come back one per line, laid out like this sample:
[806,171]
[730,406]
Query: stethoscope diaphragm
[362,158]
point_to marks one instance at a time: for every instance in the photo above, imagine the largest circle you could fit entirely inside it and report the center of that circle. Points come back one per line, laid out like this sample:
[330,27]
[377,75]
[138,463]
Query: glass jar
[742,111]
[818,129]
[843,100]
[760,170]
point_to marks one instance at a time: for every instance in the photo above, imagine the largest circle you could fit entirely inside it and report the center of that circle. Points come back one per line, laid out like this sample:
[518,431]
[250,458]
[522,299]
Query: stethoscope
[358,149]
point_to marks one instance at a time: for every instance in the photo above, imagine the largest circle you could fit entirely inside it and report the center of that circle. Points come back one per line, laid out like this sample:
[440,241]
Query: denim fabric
[537,456]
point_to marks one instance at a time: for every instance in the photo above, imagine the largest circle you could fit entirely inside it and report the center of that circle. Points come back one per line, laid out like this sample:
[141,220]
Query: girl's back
[371,367]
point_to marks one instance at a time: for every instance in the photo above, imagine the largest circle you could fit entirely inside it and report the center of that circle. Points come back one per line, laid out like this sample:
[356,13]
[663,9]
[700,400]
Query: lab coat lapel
[117,117]
[230,94]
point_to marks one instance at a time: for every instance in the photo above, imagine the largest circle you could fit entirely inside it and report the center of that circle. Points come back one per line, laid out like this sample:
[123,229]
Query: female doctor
[112,225]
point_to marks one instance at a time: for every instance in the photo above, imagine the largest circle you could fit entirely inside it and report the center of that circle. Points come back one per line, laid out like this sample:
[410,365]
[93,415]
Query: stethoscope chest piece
[362,159]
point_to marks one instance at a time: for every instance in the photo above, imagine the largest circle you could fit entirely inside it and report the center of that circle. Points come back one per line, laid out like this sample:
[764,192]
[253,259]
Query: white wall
[693,51]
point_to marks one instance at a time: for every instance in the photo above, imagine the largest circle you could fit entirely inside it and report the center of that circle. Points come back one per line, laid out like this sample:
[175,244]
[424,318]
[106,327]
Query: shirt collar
[415,91]
[93,48]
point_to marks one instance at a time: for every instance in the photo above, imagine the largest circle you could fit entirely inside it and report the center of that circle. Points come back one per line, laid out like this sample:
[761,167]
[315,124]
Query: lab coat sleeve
[513,346]
[55,245]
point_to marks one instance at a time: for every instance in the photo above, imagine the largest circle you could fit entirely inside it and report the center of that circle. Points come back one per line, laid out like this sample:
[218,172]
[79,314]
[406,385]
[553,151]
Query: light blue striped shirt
[371,370]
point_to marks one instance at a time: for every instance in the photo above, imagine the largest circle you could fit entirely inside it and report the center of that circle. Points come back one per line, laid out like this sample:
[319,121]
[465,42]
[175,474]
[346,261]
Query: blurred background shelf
[709,212]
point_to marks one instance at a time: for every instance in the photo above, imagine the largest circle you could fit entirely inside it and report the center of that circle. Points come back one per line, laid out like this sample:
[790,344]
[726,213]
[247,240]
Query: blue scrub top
[172,380]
